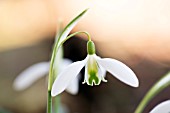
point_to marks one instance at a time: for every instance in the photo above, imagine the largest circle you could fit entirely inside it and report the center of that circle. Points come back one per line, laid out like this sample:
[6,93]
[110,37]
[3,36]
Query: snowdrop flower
[94,71]
[163,107]
[36,71]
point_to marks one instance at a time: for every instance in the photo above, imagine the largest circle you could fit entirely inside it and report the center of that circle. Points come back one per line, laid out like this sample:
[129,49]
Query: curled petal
[30,75]
[163,107]
[119,70]
[66,76]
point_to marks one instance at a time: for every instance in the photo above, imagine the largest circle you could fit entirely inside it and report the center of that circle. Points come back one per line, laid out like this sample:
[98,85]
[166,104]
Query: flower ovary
[90,48]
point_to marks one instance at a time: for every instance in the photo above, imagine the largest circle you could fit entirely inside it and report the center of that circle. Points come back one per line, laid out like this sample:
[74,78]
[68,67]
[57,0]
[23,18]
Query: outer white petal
[30,75]
[66,76]
[163,107]
[119,70]
[74,86]
[64,63]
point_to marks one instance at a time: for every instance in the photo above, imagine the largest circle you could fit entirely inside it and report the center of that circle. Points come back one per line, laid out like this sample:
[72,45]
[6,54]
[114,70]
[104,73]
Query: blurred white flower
[36,71]
[163,107]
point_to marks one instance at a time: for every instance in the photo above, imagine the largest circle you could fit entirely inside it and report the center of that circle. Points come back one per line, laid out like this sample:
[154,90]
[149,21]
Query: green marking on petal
[92,70]
[93,78]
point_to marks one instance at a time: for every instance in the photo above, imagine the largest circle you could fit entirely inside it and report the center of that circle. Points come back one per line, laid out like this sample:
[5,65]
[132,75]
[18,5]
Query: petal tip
[136,83]
[53,94]
[73,92]
[18,85]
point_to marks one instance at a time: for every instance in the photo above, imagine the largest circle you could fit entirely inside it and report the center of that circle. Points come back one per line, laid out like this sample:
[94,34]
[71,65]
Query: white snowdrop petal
[65,63]
[30,75]
[163,107]
[102,73]
[86,76]
[119,70]
[62,65]
[66,76]
[73,86]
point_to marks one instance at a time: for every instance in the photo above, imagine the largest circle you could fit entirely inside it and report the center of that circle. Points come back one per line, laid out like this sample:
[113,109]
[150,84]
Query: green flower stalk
[163,83]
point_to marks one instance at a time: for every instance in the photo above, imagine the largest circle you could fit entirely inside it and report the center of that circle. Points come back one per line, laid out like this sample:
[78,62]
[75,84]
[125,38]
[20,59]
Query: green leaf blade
[69,27]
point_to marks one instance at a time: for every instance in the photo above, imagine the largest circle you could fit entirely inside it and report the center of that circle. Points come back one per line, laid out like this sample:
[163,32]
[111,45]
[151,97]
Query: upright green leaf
[69,27]
[59,43]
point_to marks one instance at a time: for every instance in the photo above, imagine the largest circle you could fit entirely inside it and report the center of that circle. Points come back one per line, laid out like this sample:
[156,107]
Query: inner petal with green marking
[92,69]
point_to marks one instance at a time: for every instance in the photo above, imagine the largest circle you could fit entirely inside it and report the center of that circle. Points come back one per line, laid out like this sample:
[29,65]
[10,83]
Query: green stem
[57,104]
[49,103]
[58,60]
[50,82]
[51,79]
[163,83]
[76,33]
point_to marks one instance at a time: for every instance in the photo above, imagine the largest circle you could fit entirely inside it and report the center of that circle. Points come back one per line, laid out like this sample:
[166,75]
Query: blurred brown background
[134,32]
[110,97]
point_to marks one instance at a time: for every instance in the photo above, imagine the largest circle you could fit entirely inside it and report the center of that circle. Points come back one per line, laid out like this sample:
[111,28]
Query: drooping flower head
[95,68]
[94,73]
